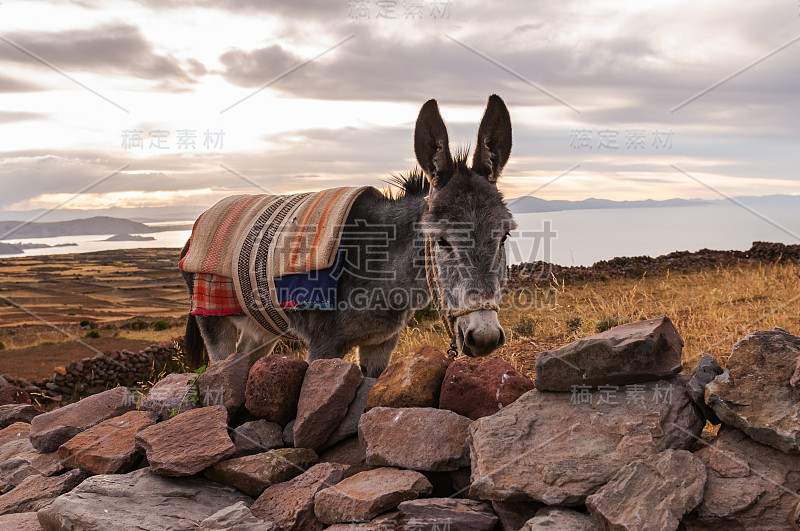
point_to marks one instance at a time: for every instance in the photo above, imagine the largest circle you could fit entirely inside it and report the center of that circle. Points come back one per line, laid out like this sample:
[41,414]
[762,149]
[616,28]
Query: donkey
[454,207]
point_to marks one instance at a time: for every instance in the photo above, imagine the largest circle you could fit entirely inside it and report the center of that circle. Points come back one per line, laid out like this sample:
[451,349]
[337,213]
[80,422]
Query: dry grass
[712,309]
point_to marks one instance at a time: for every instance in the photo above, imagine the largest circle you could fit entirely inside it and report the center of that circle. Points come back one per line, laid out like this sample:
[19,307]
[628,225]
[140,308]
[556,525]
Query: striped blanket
[254,254]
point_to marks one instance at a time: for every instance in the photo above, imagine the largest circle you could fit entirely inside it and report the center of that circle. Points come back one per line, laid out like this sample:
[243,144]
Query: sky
[159,104]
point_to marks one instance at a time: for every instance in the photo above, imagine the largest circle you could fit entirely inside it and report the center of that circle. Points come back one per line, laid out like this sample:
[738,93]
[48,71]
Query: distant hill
[7,249]
[529,204]
[129,238]
[75,227]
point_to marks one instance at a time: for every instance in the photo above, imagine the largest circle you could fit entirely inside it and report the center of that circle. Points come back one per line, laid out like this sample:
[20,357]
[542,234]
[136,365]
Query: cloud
[12,116]
[9,84]
[113,48]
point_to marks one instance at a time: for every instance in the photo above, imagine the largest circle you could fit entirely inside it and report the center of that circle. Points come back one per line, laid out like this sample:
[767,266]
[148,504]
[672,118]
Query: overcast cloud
[347,117]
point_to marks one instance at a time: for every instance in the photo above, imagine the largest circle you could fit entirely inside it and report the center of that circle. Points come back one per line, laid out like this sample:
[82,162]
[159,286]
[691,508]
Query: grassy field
[711,308]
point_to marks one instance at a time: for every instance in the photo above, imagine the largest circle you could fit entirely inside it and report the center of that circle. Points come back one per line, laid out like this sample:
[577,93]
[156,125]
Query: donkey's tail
[194,343]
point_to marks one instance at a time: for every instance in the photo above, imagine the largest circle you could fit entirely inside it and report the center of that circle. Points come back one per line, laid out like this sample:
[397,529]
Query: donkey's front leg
[374,358]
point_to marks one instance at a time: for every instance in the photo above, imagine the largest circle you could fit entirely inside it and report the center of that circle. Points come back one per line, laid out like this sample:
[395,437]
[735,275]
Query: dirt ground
[34,363]
[44,300]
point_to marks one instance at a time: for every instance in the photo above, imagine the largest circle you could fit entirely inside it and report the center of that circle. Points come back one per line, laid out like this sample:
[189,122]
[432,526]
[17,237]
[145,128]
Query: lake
[582,237]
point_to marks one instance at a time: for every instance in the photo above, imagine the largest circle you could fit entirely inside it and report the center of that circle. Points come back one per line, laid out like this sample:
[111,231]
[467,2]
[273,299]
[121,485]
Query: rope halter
[440,302]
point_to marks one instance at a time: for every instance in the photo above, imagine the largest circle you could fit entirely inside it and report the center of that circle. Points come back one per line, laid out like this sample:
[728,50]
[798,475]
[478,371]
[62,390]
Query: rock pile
[474,446]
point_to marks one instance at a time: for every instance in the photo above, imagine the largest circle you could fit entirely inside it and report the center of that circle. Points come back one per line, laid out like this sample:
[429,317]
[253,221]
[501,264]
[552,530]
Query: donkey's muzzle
[480,333]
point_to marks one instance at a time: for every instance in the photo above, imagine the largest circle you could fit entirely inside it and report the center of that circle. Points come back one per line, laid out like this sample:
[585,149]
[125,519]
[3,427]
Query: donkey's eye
[504,238]
[444,244]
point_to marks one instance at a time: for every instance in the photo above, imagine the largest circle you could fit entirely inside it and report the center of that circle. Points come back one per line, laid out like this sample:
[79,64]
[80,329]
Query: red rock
[188,443]
[349,425]
[172,395]
[252,474]
[464,515]
[20,522]
[52,429]
[368,494]
[236,517]
[328,389]
[109,447]
[412,381]
[290,505]
[11,394]
[273,387]
[477,388]
[19,459]
[223,382]
[37,491]
[14,432]
[419,438]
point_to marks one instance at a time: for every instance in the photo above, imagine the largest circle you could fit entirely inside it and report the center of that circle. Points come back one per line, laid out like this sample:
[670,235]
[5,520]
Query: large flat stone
[464,515]
[108,447]
[652,494]
[328,389]
[23,460]
[188,443]
[558,448]
[412,381]
[252,474]
[367,494]
[138,500]
[37,491]
[290,505]
[20,522]
[419,438]
[749,485]
[477,387]
[630,353]
[52,429]
[237,517]
[754,393]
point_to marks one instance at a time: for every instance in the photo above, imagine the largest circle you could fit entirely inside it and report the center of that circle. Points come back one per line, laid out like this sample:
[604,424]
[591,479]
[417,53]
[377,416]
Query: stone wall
[100,372]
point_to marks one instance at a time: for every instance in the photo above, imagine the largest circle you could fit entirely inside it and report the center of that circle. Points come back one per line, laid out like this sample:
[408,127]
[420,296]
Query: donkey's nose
[482,333]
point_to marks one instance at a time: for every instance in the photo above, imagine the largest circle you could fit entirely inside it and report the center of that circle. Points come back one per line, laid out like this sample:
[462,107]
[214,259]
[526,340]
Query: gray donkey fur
[384,281]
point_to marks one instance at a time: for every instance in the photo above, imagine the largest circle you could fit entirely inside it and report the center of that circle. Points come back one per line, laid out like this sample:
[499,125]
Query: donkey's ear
[432,146]
[494,140]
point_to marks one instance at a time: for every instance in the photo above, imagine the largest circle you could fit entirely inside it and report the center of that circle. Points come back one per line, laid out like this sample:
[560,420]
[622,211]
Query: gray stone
[556,449]
[20,522]
[288,434]
[754,393]
[626,354]
[52,429]
[237,517]
[257,436]
[420,438]
[559,519]
[138,500]
[652,494]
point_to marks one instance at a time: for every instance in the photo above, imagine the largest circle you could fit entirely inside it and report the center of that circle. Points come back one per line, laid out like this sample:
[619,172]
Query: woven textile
[243,243]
